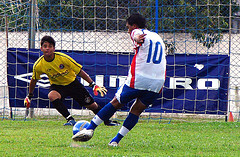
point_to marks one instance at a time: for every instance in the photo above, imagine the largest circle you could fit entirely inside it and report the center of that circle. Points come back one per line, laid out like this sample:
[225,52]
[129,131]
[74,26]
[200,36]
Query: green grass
[51,138]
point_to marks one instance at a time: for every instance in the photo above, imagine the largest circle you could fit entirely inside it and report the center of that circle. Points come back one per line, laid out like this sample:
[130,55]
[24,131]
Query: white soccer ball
[79,126]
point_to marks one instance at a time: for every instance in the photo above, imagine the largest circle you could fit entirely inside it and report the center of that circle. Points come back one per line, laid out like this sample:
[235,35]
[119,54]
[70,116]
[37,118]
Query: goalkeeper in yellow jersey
[61,70]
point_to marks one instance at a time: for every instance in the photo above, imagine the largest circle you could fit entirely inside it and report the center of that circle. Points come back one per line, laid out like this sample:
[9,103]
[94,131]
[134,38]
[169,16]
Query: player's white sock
[104,114]
[128,124]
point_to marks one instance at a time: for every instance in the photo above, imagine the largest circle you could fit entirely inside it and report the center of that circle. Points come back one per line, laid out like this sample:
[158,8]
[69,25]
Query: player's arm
[85,76]
[27,100]
[139,38]
[32,86]
[96,89]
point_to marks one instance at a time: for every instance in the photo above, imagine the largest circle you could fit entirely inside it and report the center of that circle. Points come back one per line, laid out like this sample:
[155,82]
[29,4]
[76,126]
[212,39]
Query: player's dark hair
[48,39]
[137,19]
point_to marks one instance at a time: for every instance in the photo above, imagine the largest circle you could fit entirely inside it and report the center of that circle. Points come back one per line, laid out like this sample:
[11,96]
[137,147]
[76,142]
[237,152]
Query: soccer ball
[79,126]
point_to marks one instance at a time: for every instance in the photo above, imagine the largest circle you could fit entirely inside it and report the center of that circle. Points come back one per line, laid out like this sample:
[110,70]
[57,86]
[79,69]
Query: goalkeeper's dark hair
[137,19]
[48,39]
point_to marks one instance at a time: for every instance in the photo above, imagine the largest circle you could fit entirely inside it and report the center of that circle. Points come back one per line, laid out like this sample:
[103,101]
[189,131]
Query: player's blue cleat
[70,123]
[83,135]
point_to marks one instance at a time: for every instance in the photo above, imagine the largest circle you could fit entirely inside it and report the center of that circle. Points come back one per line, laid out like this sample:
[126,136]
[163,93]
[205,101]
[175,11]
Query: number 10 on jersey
[156,59]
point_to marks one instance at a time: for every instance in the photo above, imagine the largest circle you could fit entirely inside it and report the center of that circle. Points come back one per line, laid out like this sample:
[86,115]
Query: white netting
[99,25]
[13,17]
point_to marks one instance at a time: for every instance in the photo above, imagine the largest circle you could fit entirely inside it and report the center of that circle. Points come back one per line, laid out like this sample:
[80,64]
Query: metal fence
[189,27]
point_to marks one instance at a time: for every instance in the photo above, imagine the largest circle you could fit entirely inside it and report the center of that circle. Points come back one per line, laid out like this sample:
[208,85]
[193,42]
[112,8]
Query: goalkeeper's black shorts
[75,90]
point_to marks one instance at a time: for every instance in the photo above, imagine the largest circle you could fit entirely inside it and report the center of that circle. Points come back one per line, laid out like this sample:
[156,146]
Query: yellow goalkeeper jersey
[62,70]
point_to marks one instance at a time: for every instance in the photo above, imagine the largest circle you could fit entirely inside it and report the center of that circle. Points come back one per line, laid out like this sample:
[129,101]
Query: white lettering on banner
[185,82]
[85,83]
[113,81]
[44,82]
[99,79]
[214,84]
[202,83]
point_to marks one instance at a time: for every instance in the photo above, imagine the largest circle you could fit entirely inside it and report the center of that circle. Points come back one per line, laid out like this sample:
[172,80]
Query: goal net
[13,22]
[201,41]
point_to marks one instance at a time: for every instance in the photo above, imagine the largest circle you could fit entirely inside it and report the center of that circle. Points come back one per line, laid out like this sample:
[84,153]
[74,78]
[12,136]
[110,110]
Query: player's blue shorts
[125,94]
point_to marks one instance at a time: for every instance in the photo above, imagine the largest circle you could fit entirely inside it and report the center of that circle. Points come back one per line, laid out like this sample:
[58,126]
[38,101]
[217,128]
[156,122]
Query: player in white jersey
[148,66]
[144,82]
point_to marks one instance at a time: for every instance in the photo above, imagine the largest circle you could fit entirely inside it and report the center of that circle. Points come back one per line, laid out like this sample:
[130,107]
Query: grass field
[51,138]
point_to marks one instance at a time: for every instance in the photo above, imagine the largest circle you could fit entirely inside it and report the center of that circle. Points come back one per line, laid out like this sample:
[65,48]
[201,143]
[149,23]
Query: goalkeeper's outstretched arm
[32,85]
[96,89]
[85,76]
[27,100]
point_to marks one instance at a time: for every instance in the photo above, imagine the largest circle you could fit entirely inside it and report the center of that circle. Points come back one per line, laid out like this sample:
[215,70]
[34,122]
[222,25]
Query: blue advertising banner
[194,83]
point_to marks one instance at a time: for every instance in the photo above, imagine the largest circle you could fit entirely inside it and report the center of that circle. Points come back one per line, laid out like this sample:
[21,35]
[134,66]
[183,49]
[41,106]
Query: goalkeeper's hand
[98,90]
[27,100]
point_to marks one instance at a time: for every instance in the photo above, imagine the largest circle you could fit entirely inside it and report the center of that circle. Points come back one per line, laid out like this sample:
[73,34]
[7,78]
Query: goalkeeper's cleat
[70,123]
[111,123]
[83,135]
[113,144]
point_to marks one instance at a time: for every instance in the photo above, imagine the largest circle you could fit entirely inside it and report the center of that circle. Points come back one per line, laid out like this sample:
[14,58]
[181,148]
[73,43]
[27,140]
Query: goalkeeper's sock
[128,124]
[103,115]
[97,110]
[69,118]
[62,109]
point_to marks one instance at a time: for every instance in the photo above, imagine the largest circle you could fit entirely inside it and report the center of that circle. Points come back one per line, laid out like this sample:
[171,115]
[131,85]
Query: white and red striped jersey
[148,67]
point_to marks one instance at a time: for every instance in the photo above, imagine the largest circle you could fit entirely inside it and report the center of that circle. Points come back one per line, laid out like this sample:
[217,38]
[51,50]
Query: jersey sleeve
[36,72]
[133,34]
